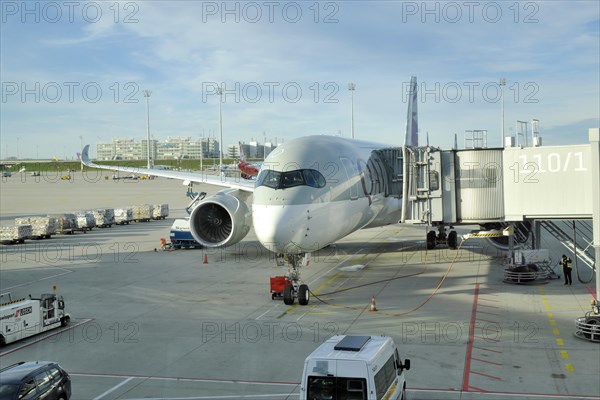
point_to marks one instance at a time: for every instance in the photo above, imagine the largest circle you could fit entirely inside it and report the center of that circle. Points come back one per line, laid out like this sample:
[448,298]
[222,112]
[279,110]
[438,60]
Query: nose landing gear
[295,289]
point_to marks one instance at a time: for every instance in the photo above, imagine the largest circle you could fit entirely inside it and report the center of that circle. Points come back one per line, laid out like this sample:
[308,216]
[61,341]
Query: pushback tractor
[354,368]
[23,318]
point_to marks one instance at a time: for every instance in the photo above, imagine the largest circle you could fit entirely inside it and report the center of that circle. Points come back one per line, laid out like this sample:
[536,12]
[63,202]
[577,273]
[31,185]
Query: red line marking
[522,394]
[592,291]
[495,301]
[485,305]
[478,389]
[487,339]
[467,370]
[489,313]
[486,375]
[486,361]
[484,349]
[48,335]
[487,320]
[490,288]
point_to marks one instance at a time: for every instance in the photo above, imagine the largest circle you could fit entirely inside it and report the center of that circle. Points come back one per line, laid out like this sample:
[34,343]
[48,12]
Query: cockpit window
[268,178]
[284,180]
[292,178]
[314,178]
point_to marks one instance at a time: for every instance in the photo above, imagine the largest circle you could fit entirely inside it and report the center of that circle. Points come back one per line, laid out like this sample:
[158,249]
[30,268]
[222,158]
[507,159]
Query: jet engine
[220,220]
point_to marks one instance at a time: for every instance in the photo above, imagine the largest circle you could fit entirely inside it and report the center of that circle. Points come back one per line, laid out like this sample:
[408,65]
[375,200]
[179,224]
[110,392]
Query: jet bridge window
[284,180]
[434,181]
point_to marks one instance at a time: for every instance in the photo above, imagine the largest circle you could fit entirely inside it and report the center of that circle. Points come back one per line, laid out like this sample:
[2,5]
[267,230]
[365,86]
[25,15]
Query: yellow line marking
[545,300]
[308,312]
[550,315]
[548,306]
[570,367]
[335,276]
[552,322]
[556,332]
[560,342]
[564,354]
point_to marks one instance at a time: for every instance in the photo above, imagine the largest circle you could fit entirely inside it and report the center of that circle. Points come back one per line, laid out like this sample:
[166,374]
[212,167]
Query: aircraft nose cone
[279,228]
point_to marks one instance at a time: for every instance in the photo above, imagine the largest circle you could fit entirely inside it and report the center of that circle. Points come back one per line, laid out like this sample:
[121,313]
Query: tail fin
[242,155]
[412,118]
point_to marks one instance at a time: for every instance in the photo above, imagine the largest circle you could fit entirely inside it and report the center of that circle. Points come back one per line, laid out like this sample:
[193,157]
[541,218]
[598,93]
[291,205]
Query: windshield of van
[336,388]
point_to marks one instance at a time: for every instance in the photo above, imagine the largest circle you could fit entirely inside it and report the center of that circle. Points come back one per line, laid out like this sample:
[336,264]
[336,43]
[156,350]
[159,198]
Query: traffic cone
[205,259]
[373,304]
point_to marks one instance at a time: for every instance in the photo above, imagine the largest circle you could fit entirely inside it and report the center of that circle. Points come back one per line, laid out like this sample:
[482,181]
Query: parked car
[34,380]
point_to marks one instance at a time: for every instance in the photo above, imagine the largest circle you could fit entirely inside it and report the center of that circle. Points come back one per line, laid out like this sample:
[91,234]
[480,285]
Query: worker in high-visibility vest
[567,267]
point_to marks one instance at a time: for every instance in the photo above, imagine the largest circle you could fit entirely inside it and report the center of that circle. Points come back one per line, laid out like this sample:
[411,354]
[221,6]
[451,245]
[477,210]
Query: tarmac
[152,324]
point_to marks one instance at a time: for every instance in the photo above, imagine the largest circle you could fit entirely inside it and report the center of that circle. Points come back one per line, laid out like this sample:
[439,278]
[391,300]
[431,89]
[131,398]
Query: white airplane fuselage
[305,215]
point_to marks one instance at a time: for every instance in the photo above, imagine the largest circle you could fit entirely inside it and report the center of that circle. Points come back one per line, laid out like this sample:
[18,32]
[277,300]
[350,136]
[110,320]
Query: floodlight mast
[352,88]
[147,94]
[502,84]
[220,93]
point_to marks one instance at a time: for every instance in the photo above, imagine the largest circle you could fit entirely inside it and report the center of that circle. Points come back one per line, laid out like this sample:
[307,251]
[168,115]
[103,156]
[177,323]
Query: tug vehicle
[23,318]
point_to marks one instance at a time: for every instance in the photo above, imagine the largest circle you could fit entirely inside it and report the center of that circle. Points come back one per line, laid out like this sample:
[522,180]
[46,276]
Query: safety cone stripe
[373,304]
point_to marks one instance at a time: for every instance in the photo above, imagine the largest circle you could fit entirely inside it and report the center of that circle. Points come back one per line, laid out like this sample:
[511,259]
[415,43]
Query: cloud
[547,51]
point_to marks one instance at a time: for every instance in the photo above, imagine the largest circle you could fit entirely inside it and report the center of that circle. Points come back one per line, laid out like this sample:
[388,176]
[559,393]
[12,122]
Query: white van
[354,368]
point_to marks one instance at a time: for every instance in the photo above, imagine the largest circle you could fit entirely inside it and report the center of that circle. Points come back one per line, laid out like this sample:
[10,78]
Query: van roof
[344,347]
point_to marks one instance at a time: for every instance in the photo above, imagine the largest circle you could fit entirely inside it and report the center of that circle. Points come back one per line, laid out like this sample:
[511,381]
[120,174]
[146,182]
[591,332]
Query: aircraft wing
[195,177]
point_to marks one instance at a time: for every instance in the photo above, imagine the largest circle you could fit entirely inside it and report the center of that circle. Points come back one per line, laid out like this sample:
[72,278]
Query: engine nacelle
[220,220]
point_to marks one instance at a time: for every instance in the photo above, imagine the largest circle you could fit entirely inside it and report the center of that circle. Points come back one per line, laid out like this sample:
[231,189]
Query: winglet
[412,118]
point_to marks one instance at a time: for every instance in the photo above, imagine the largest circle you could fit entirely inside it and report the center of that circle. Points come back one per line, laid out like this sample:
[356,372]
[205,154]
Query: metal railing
[588,328]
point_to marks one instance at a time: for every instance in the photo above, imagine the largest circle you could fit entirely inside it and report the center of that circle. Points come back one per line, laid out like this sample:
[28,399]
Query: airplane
[247,169]
[311,191]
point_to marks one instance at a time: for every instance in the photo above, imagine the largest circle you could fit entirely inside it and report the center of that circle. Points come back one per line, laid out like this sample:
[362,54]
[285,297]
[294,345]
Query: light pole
[80,150]
[147,94]
[220,93]
[351,88]
[502,84]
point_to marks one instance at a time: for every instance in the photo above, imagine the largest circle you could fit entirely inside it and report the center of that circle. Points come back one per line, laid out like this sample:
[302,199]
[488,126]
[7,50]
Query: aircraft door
[352,175]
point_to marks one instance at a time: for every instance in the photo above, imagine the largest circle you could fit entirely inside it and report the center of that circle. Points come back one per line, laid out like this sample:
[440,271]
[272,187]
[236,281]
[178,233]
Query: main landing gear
[295,290]
[434,239]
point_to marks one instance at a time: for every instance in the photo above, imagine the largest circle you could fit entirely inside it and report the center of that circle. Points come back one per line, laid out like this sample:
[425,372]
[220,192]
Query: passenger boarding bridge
[497,187]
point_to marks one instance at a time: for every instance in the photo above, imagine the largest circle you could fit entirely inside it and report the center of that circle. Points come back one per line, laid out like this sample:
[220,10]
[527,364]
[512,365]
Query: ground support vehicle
[123,216]
[278,284]
[160,211]
[354,367]
[41,227]
[15,234]
[23,318]
[181,236]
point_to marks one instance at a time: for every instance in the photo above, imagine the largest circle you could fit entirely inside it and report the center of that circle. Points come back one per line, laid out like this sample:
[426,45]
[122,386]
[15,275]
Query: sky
[74,72]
